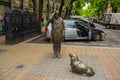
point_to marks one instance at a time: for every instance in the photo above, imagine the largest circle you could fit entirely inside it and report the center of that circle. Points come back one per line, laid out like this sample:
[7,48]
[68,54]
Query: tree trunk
[40,15]
[61,7]
[22,5]
[34,5]
[10,4]
[114,9]
[68,11]
[48,10]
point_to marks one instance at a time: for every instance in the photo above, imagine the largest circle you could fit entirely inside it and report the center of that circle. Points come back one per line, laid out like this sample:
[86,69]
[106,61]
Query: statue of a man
[57,32]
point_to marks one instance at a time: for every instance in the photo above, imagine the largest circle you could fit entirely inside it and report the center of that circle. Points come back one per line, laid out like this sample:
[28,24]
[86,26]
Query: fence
[20,26]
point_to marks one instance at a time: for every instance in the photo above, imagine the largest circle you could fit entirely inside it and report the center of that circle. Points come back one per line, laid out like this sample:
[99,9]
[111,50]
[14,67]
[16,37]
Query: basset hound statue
[79,67]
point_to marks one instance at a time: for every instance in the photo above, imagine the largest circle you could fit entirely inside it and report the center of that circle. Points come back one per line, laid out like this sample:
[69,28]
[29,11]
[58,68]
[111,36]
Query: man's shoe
[55,56]
[59,56]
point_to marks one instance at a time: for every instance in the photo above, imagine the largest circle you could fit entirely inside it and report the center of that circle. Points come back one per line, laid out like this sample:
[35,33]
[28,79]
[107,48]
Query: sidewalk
[2,40]
[39,64]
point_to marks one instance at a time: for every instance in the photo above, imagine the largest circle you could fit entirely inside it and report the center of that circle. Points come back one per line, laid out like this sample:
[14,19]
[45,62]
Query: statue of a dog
[79,67]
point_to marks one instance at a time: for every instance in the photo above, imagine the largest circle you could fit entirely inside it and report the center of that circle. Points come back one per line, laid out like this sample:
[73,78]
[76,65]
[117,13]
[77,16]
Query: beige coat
[57,30]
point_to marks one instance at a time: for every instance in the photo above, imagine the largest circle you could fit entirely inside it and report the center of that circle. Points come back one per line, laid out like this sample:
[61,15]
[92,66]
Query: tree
[34,5]
[48,10]
[40,14]
[99,7]
[21,6]
[115,4]
[69,8]
[78,5]
[95,8]
[61,7]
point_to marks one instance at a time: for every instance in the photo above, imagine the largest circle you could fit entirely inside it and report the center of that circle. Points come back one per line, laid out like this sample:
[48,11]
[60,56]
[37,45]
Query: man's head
[56,14]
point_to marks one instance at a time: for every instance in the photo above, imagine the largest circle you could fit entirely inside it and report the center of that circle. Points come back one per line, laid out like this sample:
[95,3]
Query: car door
[70,31]
[84,30]
[79,29]
[88,30]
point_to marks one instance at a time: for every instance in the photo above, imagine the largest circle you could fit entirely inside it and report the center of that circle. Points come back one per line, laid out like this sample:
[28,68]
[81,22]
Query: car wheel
[108,27]
[113,27]
[48,40]
[97,37]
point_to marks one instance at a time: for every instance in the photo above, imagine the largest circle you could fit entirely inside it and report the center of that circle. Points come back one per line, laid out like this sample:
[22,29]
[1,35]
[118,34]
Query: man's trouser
[56,48]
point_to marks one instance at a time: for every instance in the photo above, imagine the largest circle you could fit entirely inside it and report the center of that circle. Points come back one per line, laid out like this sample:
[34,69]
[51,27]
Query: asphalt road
[112,39]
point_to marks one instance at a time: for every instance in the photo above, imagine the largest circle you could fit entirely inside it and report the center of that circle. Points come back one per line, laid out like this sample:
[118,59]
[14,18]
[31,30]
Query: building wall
[48,9]
[16,4]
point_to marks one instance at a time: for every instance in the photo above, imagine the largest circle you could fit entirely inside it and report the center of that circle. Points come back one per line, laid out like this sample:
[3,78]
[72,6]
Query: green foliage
[67,7]
[78,4]
[116,2]
[96,7]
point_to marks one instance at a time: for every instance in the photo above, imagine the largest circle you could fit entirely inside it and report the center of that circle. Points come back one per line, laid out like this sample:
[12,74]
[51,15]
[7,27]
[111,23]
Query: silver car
[76,30]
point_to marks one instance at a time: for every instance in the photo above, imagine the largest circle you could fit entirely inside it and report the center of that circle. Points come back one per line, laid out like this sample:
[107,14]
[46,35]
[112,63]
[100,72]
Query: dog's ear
[70,54]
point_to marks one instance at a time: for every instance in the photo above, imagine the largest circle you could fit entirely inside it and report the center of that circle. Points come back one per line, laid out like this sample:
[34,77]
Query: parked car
[99,21]
[84,20]
[76,30]
[93,19]
[77,17]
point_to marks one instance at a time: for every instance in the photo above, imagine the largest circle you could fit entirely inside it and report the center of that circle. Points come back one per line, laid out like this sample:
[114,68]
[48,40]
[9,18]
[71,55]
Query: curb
[31,39]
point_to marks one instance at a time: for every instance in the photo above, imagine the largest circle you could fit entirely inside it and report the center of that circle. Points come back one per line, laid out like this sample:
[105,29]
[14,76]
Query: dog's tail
[90,72]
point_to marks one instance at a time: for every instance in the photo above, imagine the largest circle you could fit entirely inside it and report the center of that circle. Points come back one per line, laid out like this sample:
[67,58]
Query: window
[69,24]
[107,18]
[80,24]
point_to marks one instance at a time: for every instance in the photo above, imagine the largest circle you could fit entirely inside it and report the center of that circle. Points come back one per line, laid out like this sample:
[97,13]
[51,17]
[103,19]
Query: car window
[69,25]
[80,24]
[84,22]
[107,18]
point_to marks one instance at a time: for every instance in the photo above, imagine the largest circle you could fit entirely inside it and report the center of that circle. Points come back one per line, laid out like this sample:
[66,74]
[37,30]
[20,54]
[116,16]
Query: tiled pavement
[39,64]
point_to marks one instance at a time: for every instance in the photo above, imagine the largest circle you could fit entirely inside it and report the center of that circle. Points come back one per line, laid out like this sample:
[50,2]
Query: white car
[75,30]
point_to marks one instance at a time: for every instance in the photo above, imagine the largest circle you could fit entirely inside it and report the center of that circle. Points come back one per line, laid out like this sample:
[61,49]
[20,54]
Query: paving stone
[39,63]
[2,51]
